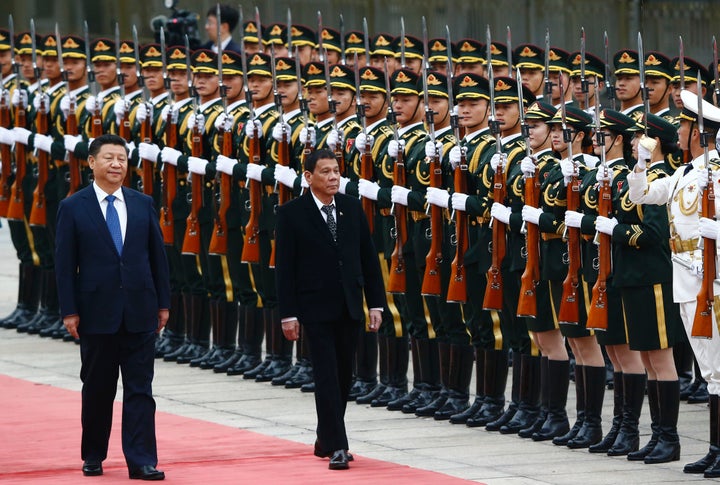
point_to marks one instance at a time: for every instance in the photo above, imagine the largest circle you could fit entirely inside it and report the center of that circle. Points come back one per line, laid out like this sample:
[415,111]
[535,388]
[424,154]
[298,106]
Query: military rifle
[169,171]
[38,213]
[191,241]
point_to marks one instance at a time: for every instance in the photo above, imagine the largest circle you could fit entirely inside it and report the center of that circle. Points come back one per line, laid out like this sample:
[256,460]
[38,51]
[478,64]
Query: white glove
[43,142]
[251,130]
[4,97]
[646,146]
[65,105]
[438,197]
[166,111]
[304,183]
[119,108]
[144,112]
[223,122]
[573,218]
[697,268]
[148,151]
[22,135]
[254,171]
[277,131]
[7,137]
[394,147]
[368,189]
[455,156]
[170,155]
[197,165]
[18,96]
[130,147]
[399,195]
[708,228]
[459,201]
[71,142]
[605,224]
[433,149]
[334,140]
[567,167]
[601,177]
[500,212]
[498,159]
[46,102]
[528,167]
[93,104]
[225,164]
[364,143]
[304,133]
[702,178]
[198,121]
[531,214]
[285,175]
[343,183]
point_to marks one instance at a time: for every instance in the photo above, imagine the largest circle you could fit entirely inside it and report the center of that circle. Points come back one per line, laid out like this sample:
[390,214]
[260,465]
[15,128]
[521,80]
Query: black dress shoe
[146,472]
[92,468]
[339,460]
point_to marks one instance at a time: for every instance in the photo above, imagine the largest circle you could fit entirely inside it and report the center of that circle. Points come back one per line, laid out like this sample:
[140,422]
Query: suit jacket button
[340,263]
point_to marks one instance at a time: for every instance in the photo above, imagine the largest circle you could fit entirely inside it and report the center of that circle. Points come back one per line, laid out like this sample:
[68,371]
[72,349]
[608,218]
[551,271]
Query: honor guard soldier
[413,52]
[16,91]
[529,59]
[627,83]
[690,68]
[456,354]
[438,55]
[499,59]
[345,126]
[275,38]
[681,192]
[381,48]
[331,44]
[250,38]
[355,44]
[304,41]
[559,65]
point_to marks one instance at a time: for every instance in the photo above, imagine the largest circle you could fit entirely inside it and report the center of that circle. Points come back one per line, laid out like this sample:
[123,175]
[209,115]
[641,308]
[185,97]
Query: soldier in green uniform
[470,57]
[559,65]
[594,69]
[542,169]
[30,274]
[381,49]
[590,366]
[303,40]
[627,83]
[530,61]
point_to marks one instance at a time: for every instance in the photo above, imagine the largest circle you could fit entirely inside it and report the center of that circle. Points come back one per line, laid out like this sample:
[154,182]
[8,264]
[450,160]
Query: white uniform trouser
[707,351]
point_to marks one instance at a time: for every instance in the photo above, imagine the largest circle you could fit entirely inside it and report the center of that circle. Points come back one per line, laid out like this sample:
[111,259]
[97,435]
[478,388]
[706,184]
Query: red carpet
[40,443]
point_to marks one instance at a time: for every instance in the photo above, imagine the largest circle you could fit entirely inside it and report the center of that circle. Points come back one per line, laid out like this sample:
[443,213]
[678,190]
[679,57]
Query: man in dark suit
[229,18]
[114,293]
[325,261]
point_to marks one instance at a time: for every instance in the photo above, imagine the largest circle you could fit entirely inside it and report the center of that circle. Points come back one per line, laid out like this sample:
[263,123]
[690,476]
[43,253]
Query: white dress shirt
[119,205]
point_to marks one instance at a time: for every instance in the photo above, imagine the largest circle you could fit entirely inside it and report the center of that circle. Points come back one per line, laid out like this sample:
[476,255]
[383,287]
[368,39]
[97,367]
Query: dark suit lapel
[131,206]
[92,206]
[316,219]
[341,214]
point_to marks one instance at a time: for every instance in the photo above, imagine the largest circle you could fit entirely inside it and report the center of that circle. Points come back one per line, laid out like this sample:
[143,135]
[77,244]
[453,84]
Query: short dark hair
[312,159]
[228,15]
[106,139]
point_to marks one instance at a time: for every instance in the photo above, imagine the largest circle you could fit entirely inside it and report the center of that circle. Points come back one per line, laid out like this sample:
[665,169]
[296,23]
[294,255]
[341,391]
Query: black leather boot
[544,393]
[48,309]
[683,357]
[461,364]
[239,351]
[397,404]
[173,335]
[200,329]
[227,316]
[707,464]
[29,281]
[654,406]
[266,320]
[282,351]
[444,356]
[628,438]
[494,381]
[529,407]
[187,329]
[215,332]
[37,291]
[429,382]
[366,362]
[609,439]
[591,430]
[304,375]
[384,372]
[512,408]
[398,350]
[579,408]
[558,380]
[474,408]
[19,306]
[253,338]
[667,448]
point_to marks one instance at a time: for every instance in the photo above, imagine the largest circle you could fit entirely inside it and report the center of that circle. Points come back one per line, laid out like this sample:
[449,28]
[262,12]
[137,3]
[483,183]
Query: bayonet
[681,61]
[366,33]
[61,61]
[221,86]
[715,72]
[609,86]
[163,53]
[701,127]
[567,133]
[289,34]
[138,70]
[343,59]
[521,105]
[332,105]
[36,70]
[88,60]
[584,85]
[321,48]
[509,51]
[276,94]
[644,92]
[118,72]
[359,106]
[548,82]
[429,114]
[493,123]
[402,43]
[188,71]
[15,66]
[392,119]
[259,26]
[246,88]
[301,99]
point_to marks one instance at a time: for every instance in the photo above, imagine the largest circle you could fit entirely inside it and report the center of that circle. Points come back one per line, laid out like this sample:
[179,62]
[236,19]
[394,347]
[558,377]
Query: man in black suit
[229,18]
[114,293]
[325,261]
